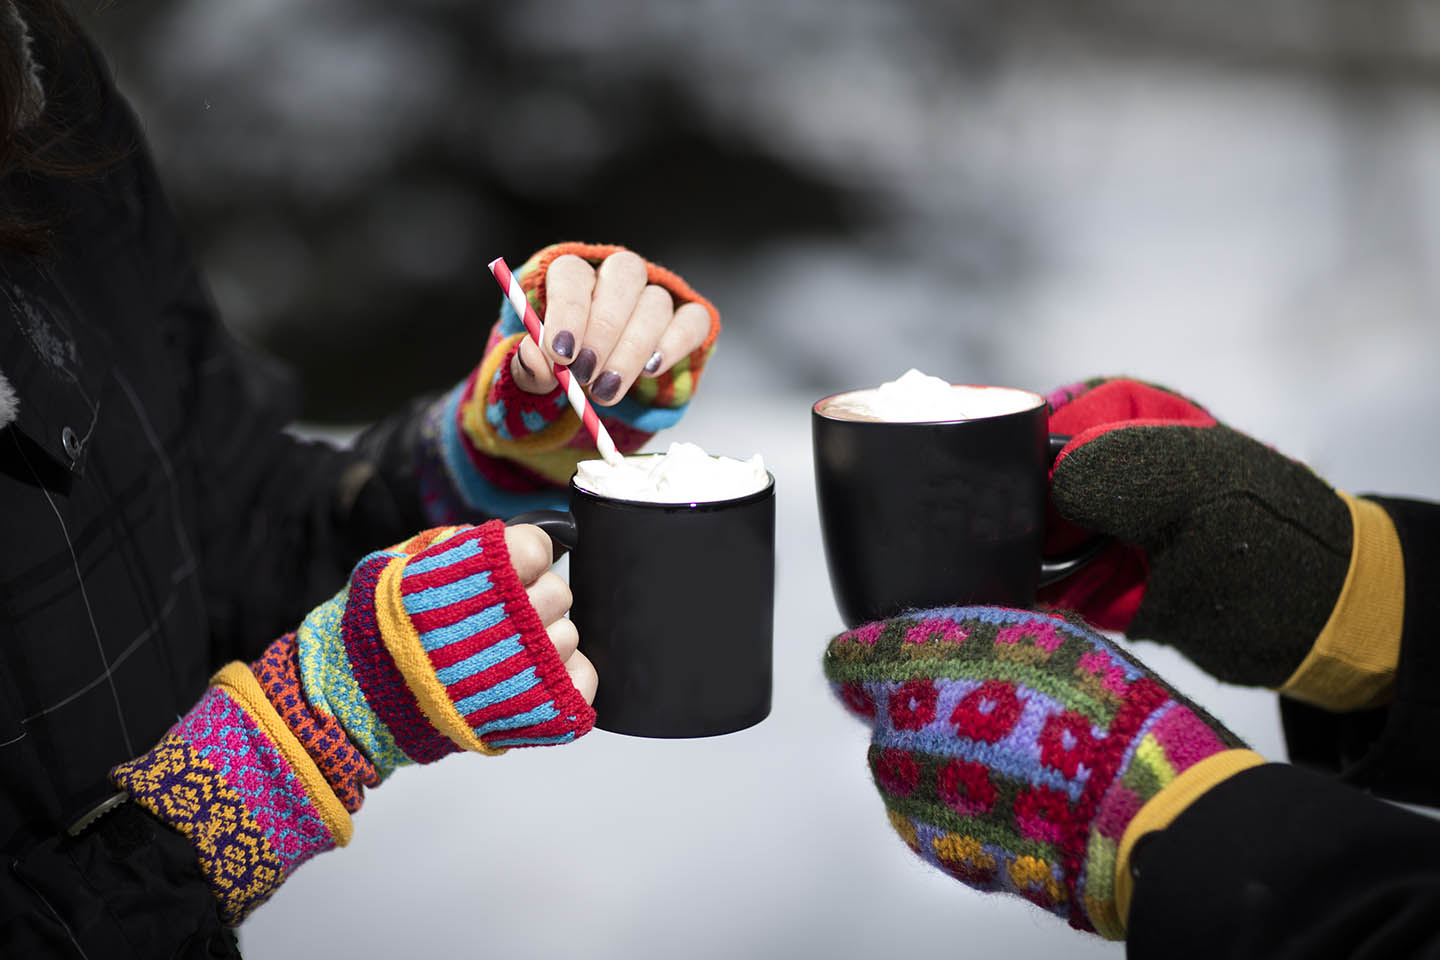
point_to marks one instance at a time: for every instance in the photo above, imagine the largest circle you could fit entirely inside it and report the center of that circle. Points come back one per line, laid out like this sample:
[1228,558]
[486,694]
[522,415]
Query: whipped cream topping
[683,474]
[915,397]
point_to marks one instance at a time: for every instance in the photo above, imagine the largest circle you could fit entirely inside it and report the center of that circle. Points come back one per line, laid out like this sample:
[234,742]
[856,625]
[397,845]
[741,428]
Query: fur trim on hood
[9,403]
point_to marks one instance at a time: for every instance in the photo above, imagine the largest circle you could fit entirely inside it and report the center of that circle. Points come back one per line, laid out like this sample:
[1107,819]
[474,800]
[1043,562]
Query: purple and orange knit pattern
[345,768]
[434,648]
[1012,748]
[218,778]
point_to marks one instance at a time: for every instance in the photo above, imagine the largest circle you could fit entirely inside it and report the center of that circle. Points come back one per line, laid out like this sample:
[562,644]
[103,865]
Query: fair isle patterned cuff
[345,767]
[331,687]
[458,625]
[219,778]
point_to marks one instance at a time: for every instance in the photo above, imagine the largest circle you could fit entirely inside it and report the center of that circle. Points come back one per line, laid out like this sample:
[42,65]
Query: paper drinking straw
[578,400]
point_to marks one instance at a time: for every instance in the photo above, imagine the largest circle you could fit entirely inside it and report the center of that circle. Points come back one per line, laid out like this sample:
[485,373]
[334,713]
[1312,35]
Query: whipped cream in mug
[916,397]
[683,474]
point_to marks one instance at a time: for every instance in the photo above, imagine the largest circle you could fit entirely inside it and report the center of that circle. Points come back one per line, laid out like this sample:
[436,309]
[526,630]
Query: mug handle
[558,525]
[1058,568]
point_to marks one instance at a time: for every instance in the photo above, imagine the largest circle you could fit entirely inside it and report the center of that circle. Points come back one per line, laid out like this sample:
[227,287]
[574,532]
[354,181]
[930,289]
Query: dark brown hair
[28,146]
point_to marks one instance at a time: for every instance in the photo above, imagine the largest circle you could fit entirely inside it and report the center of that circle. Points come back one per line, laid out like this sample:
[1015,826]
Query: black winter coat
[156,523]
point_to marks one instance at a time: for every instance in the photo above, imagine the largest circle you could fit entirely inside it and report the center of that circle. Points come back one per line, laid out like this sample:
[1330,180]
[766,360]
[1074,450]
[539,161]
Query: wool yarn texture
[489,448]
[432,648]
[1223,547]
[1013,748]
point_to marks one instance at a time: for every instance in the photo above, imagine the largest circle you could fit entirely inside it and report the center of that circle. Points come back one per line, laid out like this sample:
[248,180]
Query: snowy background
[1239,200]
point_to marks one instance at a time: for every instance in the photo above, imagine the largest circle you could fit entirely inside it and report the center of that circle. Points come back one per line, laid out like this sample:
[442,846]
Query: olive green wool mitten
[1243,559]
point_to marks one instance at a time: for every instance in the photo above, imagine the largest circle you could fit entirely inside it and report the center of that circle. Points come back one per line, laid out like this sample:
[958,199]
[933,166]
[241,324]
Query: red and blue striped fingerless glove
[433,647]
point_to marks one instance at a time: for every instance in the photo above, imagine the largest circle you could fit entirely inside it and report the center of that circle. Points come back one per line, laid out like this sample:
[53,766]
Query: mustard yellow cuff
[241,685]
[1352,664]
[1161,810]
[403,644]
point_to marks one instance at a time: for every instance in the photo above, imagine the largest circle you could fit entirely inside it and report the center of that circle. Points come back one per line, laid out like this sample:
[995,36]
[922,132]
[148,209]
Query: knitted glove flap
[1225,549]
[432,648]
[1012,749]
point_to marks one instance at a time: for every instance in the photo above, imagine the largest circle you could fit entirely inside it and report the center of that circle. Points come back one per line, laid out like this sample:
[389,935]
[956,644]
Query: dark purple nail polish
[656,359]
[563,343]
[584,365]
[606,386]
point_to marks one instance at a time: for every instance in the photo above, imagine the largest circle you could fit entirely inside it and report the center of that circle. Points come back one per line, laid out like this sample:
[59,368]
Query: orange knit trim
[658,275]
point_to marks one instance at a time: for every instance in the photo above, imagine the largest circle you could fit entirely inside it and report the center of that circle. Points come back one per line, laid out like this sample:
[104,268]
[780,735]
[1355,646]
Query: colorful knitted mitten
[1013,749]
[432,648]
[1224,548]
[489,448]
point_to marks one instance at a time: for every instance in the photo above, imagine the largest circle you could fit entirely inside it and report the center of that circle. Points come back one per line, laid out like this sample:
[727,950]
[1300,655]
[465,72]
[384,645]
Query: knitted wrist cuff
[232,777]
[343,765]
[1352,664]
[458,625]
[1161,810]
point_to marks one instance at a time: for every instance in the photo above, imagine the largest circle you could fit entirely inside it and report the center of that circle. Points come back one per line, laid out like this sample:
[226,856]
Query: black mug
[675,606]
[931,514]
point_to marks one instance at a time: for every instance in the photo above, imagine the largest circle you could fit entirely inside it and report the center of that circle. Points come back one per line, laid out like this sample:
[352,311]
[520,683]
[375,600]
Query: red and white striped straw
[578,400]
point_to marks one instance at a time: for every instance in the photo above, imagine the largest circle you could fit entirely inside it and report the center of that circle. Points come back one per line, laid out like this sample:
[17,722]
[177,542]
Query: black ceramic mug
[675,606]
[930,514]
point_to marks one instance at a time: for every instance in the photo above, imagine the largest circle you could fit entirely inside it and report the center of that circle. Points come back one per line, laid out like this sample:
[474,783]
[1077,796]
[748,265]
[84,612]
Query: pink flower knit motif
[1013,748]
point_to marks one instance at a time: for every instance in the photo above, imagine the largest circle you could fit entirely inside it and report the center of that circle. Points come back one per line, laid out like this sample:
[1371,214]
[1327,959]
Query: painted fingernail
[584,365]
[563,343]
[606,386]
[653,364]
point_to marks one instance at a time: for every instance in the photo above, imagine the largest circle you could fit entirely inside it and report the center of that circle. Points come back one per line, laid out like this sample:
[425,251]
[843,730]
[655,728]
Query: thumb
[1134,482]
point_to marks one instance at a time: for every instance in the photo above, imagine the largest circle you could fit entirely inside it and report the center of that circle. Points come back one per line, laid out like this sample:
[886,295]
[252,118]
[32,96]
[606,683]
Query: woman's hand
[609,326]
[531,556]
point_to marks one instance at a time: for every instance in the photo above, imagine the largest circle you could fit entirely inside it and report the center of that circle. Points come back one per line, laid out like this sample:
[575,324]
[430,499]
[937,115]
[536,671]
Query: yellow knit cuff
[409,655]
[242,687]
[1172,800]
[1352,664]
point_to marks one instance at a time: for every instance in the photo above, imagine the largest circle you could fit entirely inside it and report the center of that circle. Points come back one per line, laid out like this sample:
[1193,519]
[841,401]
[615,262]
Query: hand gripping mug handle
[1055,569]
[558,525]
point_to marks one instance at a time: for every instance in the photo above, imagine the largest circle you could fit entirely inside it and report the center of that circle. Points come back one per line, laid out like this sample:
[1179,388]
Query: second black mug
[929,514]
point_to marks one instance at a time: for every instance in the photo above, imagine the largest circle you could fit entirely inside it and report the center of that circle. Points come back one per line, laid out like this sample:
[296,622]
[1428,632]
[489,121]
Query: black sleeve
[127,888]
[1283,864]
[280,520]
[1393,751]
